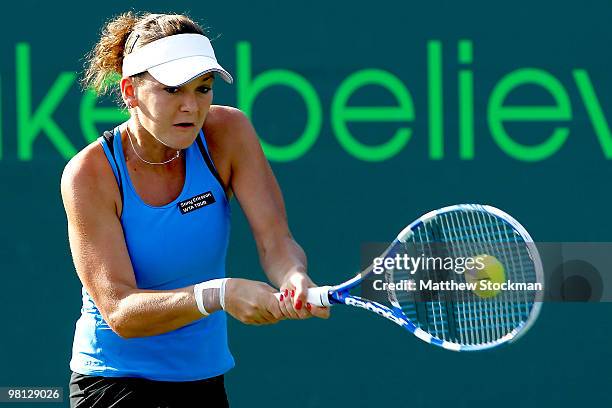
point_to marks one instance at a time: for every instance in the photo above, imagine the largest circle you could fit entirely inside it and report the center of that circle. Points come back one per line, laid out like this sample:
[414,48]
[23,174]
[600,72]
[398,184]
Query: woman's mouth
[184,125]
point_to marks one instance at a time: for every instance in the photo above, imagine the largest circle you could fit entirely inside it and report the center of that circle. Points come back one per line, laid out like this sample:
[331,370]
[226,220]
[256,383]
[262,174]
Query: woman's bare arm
[104,267]
[257,190]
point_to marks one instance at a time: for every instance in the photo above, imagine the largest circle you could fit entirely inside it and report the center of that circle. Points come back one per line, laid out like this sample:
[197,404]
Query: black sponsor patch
[196,202]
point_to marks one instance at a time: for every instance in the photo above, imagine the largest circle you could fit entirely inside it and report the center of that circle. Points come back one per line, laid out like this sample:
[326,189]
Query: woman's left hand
[293,302]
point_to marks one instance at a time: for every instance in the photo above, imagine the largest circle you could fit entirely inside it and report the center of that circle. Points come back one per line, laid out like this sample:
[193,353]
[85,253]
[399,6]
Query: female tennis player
[148,224]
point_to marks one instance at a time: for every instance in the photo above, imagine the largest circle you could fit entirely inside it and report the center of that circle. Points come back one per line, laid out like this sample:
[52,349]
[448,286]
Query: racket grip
[318,296]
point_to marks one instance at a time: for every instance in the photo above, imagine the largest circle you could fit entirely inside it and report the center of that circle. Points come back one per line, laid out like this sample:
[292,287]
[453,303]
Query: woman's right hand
[252,302]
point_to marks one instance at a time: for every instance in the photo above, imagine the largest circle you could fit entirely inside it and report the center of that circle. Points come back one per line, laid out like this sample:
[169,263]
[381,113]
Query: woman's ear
[128,92]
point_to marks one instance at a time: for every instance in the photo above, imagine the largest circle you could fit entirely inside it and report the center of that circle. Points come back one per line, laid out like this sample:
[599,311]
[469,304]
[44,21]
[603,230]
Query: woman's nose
[189,103]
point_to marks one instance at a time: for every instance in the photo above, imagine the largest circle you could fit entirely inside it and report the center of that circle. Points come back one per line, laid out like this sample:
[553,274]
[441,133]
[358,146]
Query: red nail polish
[298,305]
[308,306]
[286,292]
[292,293]
[281,297]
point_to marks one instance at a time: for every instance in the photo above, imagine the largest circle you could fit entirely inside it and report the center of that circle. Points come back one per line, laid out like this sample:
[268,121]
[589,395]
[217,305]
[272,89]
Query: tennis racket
[469,317]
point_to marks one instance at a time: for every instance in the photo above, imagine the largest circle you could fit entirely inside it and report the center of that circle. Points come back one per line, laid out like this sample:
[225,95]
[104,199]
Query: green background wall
[336,201]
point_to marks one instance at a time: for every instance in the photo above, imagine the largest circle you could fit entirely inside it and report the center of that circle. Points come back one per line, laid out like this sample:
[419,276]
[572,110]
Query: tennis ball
[493,271]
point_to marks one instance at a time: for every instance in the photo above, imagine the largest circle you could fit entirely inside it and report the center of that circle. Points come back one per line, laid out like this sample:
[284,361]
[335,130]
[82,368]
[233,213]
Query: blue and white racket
[459,320]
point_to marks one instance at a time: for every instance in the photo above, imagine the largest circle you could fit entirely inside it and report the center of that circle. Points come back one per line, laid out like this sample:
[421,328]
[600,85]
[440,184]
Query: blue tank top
[171,246]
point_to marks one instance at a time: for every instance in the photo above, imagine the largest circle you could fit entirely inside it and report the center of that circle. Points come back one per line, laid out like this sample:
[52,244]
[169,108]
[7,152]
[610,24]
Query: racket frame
[339,294]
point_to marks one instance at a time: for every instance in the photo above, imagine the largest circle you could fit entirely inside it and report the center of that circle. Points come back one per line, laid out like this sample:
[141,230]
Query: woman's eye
[175,89]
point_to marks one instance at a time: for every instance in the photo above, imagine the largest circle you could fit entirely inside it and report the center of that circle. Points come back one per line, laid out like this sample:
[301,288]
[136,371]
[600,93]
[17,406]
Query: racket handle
[318,296]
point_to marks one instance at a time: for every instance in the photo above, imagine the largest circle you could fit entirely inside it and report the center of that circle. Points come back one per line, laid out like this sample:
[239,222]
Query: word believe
[31,122]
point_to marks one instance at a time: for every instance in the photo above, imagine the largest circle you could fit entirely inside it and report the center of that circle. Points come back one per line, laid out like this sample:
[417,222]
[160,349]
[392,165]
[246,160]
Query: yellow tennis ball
[486,268]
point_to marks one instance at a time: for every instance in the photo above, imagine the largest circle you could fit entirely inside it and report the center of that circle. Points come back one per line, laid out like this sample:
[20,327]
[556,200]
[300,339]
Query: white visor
[175,60]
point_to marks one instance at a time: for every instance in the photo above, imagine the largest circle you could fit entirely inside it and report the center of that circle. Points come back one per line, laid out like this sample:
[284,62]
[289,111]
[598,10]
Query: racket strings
[464,316]
[496,318]
[506,310]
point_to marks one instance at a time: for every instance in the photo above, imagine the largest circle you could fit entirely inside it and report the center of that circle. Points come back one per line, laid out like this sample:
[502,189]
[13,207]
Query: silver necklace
[127,129]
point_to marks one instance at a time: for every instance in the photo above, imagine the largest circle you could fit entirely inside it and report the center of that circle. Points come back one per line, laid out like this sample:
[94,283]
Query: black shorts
[105,392]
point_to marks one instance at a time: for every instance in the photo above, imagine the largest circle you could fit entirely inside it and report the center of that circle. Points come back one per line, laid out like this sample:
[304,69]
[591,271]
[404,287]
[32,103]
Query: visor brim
[184,70]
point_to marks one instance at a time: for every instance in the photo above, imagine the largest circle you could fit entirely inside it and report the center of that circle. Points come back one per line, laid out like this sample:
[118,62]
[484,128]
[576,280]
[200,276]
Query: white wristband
[222,293]
[198,291]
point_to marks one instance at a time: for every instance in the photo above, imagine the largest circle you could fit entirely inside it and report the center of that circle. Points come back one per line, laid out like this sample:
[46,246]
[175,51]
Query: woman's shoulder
[88,175]
[225,120]
[220,115]
[226,125]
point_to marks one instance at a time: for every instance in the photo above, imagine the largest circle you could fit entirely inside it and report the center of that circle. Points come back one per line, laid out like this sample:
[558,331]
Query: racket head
[460,320]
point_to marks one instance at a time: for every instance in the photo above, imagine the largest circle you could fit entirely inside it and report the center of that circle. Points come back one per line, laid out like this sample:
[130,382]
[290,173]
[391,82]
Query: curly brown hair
[123,34]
